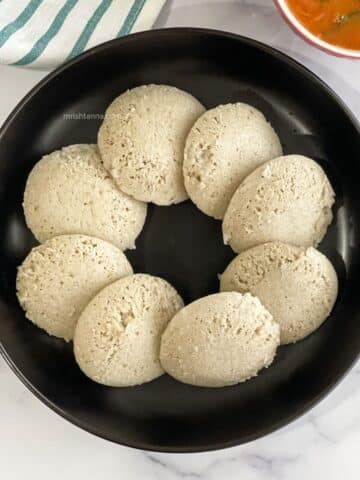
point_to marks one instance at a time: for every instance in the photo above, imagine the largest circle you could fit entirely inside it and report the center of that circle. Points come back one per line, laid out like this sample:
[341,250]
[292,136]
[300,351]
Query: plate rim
[186,31]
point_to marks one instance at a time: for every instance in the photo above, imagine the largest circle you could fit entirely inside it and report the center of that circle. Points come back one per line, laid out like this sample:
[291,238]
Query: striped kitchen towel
[44,33]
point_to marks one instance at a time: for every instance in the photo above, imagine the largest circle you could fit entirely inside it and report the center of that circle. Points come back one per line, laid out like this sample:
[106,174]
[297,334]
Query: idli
[69,191]
[223,147]
[219,340]
[58,279]
[297,285]
[142,141]
[288,199]
[117,337]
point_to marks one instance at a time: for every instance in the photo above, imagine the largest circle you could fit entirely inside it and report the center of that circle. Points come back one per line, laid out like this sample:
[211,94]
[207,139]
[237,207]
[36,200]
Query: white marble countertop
[38,444]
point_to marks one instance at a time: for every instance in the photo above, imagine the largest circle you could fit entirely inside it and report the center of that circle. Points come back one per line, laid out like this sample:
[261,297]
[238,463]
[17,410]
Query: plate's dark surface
[181,244]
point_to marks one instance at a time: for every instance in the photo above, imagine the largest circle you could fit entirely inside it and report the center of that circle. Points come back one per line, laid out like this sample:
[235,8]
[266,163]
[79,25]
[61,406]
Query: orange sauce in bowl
[334,21]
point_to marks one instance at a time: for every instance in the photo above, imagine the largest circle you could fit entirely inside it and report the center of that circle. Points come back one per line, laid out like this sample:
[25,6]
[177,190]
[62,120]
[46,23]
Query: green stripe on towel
[19,22]
[131,18]
[44,41]
[89,28]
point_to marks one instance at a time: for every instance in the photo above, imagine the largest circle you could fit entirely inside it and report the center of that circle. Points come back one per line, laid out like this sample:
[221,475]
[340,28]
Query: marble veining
[324,444]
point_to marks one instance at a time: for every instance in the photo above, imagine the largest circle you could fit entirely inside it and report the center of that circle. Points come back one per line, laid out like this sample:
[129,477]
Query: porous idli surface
[117,337]
[223,147]
[219,340]
[70,192]
[142,141]
[287,199]
[297,285]
[59,278]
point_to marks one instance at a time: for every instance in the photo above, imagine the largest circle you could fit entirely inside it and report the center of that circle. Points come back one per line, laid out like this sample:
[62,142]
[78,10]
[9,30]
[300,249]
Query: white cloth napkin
[44,33]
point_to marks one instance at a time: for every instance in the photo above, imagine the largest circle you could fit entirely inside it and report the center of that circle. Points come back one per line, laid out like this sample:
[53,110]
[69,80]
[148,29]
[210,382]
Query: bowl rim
[186,31]
[312,39]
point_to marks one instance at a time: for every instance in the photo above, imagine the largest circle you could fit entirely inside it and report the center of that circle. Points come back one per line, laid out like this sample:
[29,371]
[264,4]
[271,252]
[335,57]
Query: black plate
[181,244]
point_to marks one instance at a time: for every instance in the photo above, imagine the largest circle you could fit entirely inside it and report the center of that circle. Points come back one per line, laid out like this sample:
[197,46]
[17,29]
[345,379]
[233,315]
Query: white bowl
[301,30]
